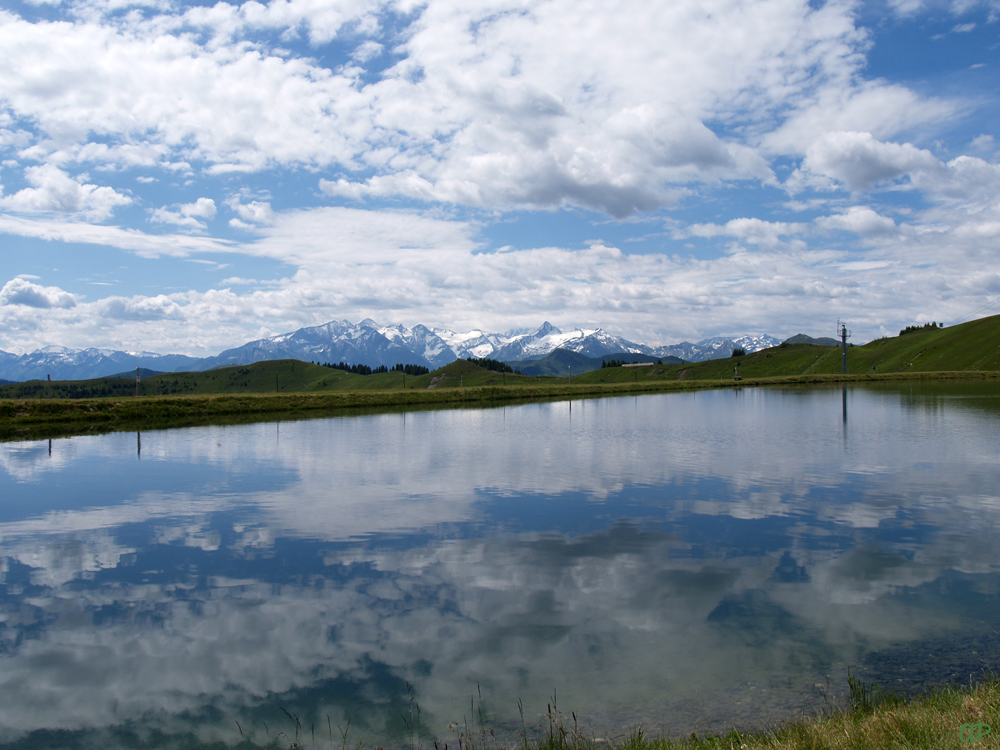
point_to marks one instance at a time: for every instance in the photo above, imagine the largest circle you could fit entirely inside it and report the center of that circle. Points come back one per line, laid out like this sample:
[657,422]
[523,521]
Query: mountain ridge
[371,344]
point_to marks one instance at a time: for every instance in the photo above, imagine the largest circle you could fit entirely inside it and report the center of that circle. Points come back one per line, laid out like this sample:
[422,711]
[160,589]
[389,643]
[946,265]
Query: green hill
[275,376]
[969,346]
[559,361]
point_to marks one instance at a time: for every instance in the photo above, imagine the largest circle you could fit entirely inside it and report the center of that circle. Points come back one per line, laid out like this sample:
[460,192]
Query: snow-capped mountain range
[367,343]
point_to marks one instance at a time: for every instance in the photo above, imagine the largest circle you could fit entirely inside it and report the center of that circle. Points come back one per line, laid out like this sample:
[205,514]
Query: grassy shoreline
[946,717]
[943,719]
[26,419]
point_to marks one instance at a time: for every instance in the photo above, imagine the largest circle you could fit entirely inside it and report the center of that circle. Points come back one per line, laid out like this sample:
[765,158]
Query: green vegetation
[285,389]
[911,329]
[969,347]
[493,365]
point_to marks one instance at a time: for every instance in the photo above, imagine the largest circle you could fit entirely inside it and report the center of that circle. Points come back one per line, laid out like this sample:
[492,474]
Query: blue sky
[183,177]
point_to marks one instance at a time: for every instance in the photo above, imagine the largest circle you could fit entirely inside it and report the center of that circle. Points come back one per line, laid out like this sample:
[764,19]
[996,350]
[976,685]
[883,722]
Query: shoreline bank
[31,419]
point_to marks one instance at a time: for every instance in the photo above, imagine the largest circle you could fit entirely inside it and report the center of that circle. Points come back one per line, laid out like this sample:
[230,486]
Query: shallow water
[684,561]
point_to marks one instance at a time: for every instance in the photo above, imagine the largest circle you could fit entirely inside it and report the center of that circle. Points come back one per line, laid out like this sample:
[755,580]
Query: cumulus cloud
[483,106]
[860,162]
[408,268]
[159,307]
[635,107]
[187,215]
[57,192]
[880,109]
[20,291]
[755,231]
[860,220]
[251,215]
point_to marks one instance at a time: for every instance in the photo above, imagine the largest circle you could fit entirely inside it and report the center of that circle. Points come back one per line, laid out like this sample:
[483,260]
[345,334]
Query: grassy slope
[559,361]
[284,376]
[973,346]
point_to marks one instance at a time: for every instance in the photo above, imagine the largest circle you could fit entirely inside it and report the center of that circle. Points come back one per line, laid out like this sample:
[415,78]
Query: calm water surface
[683,561]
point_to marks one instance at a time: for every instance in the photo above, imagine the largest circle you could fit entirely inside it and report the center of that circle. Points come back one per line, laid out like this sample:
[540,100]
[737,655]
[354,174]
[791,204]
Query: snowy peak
[717,347]
[371,344]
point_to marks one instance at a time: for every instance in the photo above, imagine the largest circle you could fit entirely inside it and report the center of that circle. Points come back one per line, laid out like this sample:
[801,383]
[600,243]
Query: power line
[971,315]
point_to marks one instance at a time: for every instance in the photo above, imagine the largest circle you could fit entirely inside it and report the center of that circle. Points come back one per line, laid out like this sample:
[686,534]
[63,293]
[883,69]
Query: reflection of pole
[138,443]
[843,396]
[50,447]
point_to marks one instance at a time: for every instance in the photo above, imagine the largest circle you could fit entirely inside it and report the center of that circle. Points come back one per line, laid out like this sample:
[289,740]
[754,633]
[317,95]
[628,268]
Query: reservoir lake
[684,562]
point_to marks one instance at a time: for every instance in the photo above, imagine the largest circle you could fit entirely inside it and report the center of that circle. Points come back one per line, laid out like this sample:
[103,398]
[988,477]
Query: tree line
[924,327]
[367,370]
[622,362]
[490,364]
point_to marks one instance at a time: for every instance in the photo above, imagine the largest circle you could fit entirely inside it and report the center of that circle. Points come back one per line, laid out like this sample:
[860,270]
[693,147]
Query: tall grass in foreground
[944,719]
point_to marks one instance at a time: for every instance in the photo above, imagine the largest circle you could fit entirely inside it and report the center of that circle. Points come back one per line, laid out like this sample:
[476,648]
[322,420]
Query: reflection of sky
[632,553]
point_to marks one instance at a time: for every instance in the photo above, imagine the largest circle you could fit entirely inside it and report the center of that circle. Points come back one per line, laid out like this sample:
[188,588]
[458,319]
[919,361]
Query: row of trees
[924,327]
[622,363]
[366,370]
[490,364]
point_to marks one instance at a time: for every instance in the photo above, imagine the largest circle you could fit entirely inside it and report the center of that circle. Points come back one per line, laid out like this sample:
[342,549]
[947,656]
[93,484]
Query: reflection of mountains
[322,565]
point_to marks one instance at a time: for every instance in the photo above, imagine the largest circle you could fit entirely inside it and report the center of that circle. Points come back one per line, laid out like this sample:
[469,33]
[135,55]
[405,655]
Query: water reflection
[687,560]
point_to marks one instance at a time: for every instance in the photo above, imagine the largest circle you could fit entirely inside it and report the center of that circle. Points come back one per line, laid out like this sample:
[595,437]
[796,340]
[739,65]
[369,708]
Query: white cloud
[860,220]
[877,108]
[408,268]
[139,308]
[506,105]
[529,105]
[860,162]
[251,214]
[752,230]
[55,191]
[145,245]
[20,291]
[188,214]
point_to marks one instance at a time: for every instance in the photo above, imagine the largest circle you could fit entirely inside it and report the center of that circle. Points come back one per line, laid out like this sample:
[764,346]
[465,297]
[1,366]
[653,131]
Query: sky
[185,177]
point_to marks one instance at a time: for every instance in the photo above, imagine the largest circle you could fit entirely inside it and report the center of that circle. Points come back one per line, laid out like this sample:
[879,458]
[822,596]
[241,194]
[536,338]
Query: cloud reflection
[631,553]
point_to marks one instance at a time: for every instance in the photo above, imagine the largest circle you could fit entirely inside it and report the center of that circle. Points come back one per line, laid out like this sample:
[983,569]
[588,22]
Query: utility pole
[844,335]
[136,382]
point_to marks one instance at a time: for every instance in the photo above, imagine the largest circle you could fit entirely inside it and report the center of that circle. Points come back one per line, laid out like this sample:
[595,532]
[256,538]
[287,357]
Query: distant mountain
[342,341]
[80,364]
[371,344]
[589,342]
[716,348]
[801,338]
